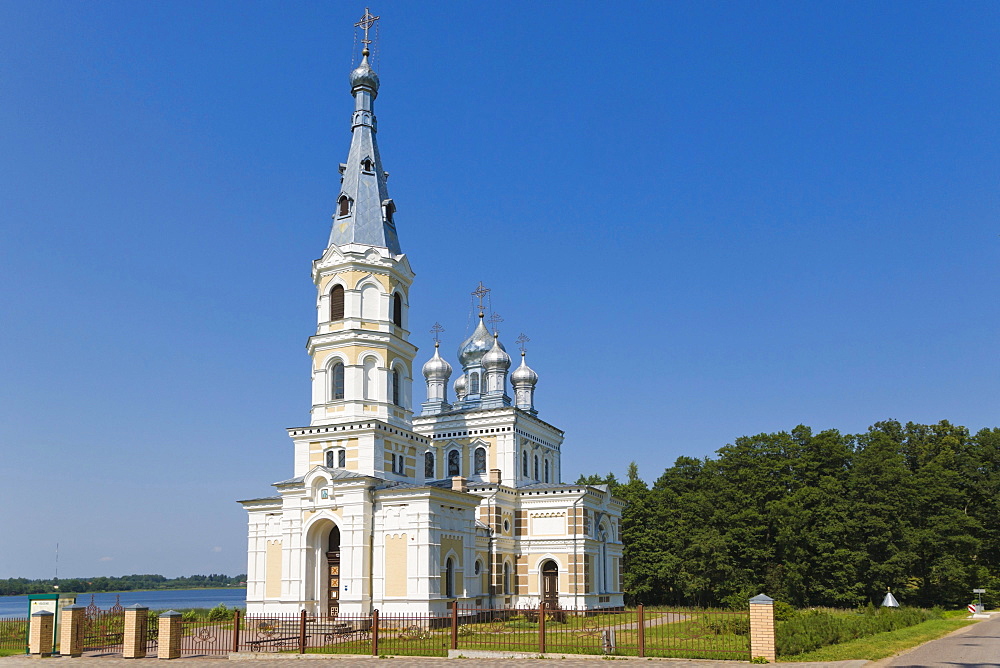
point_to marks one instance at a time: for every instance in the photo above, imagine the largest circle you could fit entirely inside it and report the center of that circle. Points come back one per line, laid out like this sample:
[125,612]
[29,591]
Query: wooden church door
[333,573]
[550,584]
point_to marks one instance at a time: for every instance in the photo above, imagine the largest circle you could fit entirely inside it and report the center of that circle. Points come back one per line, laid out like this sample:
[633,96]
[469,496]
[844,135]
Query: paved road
[975,646]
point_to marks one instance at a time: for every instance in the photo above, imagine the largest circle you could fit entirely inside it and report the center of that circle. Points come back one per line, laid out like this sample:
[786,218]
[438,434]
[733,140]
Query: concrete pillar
[40,633]
[169,643]
[762,627]
[71,630]
[136,622]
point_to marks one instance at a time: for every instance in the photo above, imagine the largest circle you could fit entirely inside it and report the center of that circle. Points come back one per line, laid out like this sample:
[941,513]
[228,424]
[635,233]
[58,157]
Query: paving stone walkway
[263,661]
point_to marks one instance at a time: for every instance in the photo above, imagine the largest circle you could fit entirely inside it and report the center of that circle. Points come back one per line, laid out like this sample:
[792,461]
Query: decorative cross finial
[480,293]
[366,22]
[435,330]
[521,340]
[495,319]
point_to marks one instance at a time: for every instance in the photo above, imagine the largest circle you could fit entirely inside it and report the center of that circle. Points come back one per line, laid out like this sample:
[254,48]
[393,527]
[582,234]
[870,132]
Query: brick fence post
[41,633]
[169,642]
[71,630]
[134,640]
[762,627]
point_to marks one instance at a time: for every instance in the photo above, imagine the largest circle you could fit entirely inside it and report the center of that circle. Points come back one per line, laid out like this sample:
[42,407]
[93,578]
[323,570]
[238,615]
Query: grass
[886,644]
[11,652]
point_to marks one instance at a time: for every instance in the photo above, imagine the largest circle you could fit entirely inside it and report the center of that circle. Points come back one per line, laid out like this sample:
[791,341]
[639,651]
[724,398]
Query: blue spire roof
[367,216]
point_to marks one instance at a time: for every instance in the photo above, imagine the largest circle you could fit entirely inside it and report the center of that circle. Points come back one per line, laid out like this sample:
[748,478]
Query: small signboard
[978,591]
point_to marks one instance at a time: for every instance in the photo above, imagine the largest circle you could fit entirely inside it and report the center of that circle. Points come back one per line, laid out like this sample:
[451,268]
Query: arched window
[506,577]
[449,578]
[536,467]
[397,310]
[395,388]
[480,460]
[345,205]
[366,165]
[371,380]
[546,470]
[429,465]
[336,458]
[524,463]
[337,303]
[473,383]
[337,381]
[454,467]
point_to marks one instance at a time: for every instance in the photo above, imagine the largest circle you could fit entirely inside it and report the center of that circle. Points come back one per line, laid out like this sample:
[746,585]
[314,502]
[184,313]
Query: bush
[783,611]
[220,613]
[813,629]
[738,625]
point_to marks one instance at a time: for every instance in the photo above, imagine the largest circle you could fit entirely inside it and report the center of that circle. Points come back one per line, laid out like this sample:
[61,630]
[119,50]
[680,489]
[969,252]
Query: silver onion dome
[473,348]
[496,358]
[524,374]
[437,368]
[460,385]
[364,76]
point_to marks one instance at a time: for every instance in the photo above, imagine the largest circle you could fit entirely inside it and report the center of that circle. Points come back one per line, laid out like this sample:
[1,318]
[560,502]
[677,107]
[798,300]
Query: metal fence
[688,633]
[14,633]
[642,632]
[104,630]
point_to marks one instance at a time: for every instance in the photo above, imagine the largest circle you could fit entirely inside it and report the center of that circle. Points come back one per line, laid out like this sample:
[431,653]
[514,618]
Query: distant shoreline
[120,591]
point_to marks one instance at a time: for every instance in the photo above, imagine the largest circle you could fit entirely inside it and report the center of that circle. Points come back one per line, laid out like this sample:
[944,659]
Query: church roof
[369,211]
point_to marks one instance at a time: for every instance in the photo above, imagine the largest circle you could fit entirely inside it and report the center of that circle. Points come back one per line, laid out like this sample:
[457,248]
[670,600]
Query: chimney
[495,476]
[458,484]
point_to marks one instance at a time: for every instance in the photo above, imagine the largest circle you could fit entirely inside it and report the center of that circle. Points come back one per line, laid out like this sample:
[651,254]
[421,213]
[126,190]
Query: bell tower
[362,359]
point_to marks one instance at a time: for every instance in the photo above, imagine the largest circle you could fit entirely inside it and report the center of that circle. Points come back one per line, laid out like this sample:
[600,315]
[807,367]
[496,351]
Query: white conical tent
[890,601]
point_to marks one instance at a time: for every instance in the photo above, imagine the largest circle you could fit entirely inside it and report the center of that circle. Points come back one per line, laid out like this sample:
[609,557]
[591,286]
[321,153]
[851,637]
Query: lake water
[160,599]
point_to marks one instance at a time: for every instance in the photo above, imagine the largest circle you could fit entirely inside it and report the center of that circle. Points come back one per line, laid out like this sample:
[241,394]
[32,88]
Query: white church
[413,509]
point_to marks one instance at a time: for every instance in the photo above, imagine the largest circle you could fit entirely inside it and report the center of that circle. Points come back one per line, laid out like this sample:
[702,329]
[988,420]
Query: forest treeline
[825,519]
[21,586]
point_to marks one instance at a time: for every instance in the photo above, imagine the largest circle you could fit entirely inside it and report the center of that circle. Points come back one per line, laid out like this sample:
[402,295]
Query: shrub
[220,613]
[813,629]
[728,624]
[783,611]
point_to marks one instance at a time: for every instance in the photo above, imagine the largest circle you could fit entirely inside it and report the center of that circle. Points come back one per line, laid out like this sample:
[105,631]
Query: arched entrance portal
[550,584]
[333,572]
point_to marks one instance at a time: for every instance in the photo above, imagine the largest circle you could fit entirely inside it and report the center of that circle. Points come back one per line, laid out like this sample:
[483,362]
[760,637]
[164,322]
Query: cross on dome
[435,330]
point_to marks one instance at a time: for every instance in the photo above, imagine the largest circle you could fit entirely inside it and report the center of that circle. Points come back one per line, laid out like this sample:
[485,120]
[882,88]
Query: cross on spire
[366,22]
[495,319]
[435,330]
[480,294]
[521,340]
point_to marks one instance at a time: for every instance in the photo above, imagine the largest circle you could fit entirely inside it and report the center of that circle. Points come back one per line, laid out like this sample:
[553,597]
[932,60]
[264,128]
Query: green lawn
[10,652]
[882,645]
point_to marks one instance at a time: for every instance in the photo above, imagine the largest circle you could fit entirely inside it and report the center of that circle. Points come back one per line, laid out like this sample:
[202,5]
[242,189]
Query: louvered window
[337,303]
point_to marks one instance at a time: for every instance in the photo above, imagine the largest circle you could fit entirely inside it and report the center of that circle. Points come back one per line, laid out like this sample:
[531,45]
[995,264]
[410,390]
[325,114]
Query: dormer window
[388,209]
[367,165]
[344,205]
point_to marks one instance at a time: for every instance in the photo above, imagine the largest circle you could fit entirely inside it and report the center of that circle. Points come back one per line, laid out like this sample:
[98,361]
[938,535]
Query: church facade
[460,502]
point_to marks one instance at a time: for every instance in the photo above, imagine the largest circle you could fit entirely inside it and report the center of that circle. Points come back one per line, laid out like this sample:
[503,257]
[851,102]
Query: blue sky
[712,219]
